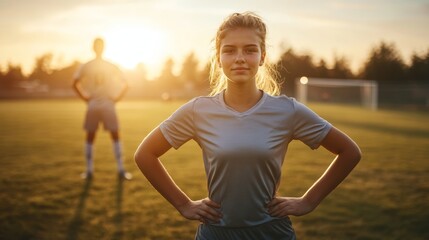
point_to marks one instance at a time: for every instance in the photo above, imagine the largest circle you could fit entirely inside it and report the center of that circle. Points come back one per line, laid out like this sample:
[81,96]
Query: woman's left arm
[348,156]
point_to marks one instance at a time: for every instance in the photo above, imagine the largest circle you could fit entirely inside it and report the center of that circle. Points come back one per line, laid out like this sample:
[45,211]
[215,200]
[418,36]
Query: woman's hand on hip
[202,210]
[284,206]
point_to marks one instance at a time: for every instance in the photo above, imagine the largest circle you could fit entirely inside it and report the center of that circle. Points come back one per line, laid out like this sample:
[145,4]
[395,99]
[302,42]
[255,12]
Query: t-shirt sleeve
[309,127]
[179,127]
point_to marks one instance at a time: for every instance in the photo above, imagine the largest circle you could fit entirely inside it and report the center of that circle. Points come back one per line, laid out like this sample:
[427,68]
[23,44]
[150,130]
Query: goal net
[345,91]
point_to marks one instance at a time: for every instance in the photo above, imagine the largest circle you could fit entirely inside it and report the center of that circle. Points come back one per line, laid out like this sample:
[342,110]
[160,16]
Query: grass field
[42,196]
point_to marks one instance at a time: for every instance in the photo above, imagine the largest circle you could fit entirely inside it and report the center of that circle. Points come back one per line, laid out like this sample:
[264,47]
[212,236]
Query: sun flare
[129,46]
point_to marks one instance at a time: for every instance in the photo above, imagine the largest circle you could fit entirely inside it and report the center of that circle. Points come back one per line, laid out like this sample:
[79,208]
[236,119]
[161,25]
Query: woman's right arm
[147,159]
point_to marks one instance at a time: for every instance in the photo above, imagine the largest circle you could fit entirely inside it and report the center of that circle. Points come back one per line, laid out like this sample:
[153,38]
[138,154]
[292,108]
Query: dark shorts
[101,114]
[280,229]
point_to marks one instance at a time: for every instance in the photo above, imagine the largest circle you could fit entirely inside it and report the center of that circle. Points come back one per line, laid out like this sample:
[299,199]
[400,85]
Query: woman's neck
[242,98]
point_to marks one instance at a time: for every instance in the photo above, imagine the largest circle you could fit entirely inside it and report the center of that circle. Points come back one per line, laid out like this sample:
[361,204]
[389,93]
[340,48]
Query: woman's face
[240,55]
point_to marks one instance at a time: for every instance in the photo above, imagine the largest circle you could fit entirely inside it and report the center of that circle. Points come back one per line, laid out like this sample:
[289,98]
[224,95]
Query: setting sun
[129,46]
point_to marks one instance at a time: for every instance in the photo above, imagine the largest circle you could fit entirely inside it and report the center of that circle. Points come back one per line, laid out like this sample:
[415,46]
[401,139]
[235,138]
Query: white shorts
[106,114]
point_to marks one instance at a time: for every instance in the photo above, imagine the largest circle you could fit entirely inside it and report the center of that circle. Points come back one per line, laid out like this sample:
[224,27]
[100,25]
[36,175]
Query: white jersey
[243,151]
[101,80]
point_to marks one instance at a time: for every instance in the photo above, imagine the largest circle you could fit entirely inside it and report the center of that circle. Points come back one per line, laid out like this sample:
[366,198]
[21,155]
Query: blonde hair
[266,75]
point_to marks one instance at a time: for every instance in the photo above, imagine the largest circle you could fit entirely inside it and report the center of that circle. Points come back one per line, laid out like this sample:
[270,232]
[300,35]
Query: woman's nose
[239,58]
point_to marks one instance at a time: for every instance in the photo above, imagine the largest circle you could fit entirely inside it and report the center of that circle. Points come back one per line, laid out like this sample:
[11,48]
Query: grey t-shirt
[243,152]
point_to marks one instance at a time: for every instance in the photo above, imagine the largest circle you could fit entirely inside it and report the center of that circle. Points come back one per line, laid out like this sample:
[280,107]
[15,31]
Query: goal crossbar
[369,88]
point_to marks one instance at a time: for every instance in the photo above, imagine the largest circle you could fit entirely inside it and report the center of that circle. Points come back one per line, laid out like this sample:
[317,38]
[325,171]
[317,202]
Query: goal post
[368,89]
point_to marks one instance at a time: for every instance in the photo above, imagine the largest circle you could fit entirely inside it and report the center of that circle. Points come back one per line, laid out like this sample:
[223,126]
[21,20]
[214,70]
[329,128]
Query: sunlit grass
[42,196]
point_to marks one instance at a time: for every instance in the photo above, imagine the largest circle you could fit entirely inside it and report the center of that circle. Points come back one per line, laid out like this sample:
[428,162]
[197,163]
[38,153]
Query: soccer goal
[348,91]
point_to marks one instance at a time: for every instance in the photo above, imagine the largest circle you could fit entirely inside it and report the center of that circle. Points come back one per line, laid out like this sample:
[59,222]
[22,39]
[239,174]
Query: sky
[150,31]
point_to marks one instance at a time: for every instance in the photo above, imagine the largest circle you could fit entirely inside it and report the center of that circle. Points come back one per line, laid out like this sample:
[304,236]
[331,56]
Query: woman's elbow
[141,159]
[355,153]
[138,157]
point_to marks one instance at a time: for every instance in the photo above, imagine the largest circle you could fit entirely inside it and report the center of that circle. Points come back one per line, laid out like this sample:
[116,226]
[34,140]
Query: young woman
[244,130]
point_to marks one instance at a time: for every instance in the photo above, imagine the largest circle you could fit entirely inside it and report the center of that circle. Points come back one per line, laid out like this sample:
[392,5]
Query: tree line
[383,64]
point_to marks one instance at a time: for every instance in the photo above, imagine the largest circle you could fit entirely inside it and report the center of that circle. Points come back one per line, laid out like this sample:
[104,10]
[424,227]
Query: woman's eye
[251,50]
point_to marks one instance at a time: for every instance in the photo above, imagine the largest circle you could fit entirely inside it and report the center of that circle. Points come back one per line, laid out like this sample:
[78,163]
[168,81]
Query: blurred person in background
[101,84]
